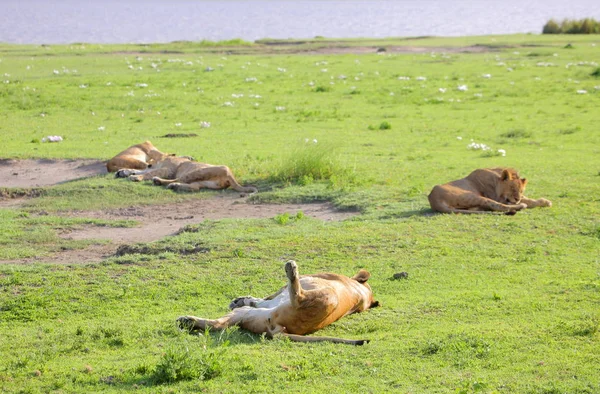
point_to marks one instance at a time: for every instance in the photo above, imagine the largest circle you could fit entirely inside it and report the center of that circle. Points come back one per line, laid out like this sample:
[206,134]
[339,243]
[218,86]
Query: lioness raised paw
[136,178]
[291,270]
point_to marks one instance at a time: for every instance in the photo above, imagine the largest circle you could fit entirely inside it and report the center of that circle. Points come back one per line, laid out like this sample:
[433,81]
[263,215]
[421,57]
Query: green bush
[572,26]
[179,363]
[307,163]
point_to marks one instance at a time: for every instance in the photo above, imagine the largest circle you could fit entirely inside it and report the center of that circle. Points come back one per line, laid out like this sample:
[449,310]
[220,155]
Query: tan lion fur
[306,304]
[183,174]
[136,157]
[484,191]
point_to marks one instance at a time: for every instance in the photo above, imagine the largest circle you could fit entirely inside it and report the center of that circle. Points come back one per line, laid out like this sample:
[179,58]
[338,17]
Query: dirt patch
[397,49]
[155,221]
[36,173]
[159,221]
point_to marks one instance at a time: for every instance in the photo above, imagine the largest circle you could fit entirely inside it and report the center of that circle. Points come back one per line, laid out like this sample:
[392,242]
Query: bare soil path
[156,221]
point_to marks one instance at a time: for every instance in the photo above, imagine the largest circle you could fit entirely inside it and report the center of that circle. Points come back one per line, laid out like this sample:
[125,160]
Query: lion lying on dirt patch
[135,157]
[484,191]
[183,174]
[307,304]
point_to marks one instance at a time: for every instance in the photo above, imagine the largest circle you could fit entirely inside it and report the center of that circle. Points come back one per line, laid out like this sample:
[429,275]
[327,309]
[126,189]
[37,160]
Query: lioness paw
[291,269]
[122,174]
[174,186]
[521,206]
[243,301]
[156,181]
[185,322]
[136,178]
[544,203]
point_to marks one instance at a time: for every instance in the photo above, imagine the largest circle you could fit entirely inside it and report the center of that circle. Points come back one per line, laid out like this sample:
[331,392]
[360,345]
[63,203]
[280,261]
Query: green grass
[499,304]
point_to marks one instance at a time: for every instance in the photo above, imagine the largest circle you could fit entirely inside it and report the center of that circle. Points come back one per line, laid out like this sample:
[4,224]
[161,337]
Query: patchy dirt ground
[156,221]
[44,172]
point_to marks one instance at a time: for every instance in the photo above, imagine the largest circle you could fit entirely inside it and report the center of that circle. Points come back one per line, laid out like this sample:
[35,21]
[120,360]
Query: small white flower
[391,93]
[101,128]
[404,78]
[597,87]
[342,76]
[502,152]
[204,124]
[177,124]
[141,85]
[314,141]
[509,69]
[237,95]
[130,67]
[42,114]
[311,83]
[130,93]
[538,78]
[478,95]
[463,88]
[56,72]
[281,70]
[421,78]
[323,70]
[251,79]
[459,138]
[108,83]
[93,113]
[442,90]
[581,91]
[279,108]
[228,104]
[486,76]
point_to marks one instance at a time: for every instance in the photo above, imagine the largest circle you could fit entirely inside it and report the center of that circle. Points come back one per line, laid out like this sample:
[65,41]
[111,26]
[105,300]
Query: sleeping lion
[485,190]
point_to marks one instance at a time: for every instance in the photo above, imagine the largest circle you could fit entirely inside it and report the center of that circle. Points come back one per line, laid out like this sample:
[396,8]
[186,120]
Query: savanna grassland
[492,303]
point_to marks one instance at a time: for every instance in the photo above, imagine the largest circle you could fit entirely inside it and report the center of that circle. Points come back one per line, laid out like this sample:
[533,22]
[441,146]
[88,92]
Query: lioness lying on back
[484,191]
[135,157]
[306,304]
[182,174]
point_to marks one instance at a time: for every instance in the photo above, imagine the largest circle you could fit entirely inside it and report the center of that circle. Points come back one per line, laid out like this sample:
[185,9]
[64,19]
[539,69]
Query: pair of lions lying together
[145,162]
[311,302]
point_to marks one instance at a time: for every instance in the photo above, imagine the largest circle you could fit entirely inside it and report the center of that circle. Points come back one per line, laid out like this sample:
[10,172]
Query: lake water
[144,21]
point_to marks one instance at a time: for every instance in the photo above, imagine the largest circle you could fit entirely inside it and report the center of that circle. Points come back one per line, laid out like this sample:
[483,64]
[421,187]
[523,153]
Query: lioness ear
[506,175]
[362,276]
[524,182]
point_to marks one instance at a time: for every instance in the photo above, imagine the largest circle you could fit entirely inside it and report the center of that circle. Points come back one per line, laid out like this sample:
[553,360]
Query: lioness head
[511,187]
[362,277]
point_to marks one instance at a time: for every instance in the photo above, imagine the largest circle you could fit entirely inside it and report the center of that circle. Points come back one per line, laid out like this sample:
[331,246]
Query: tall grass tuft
[180,363]
[572,26]
[308,162]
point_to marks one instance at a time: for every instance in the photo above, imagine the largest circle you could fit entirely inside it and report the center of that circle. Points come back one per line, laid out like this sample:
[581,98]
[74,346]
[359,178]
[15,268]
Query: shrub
[307,163]
[596,73]
[551,27]
[179,363]
[572,26]
[385,125]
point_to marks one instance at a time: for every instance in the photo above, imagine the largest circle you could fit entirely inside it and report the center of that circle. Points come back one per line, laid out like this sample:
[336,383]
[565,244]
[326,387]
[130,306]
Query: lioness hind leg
[161,182]
[195,186]
[295,289]
[233,318]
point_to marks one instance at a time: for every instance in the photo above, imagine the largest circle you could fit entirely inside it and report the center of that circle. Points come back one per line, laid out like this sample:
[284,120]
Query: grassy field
[492,304]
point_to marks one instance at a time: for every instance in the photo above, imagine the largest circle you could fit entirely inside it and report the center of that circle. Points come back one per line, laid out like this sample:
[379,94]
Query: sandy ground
[43,172]
[155,221]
